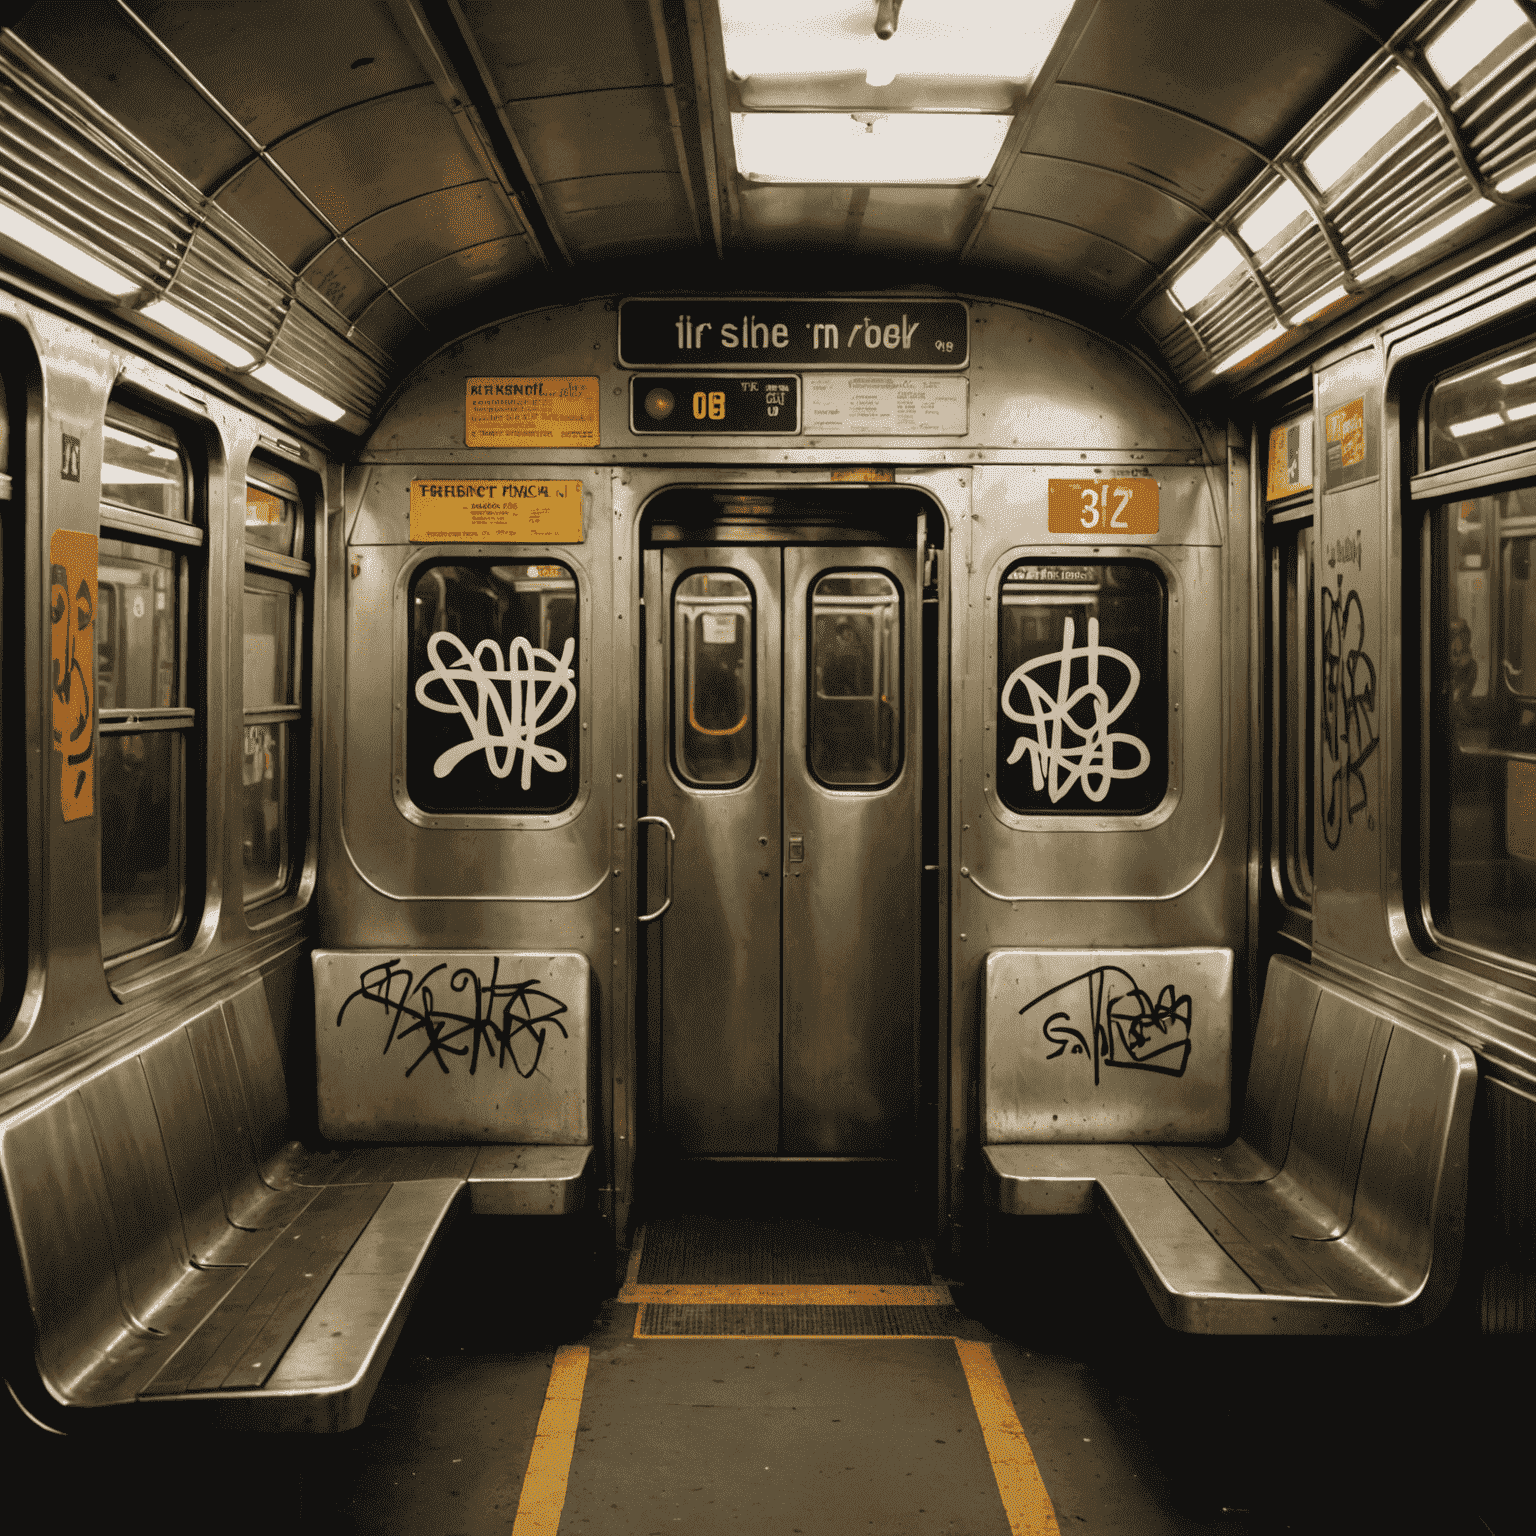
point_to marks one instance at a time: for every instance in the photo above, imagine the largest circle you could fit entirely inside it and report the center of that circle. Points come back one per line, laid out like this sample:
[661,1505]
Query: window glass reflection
[271,520]
[269,627]
[142,468]
[141,856]
[138,634]
[713,617]
[1483,409]
[264,790]
[855,679]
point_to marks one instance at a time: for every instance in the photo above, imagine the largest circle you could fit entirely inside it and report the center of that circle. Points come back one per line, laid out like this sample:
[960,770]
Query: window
[1480,649]
[1082,709]
[854,738]
[150,560]
[714,710]
[491,688]
[273,736]
[1293,656]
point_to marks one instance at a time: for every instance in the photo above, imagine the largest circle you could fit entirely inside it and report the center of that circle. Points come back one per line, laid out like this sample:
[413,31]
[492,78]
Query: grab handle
[661,821]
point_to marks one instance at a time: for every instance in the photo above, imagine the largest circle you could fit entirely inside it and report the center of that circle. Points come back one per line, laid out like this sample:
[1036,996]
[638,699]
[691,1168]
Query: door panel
[852,700]
[720,941]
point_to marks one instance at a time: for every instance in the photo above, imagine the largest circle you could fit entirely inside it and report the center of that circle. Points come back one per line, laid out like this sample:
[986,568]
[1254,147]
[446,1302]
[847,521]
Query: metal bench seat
[1338,1209]
[180,1251]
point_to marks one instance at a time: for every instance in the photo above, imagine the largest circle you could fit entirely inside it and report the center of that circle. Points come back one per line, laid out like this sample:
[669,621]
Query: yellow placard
[1520,810]
[1345,433]
[864,476]
[531,413]
[1104,508]
[496,512]
[1290,459]
[72,560]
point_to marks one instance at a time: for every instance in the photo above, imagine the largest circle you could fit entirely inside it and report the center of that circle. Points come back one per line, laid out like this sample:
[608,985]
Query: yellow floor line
[542,1501]
[791,1295]
[1025,1500]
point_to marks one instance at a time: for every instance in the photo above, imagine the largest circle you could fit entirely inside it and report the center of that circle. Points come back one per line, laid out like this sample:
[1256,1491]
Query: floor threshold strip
[790,1295]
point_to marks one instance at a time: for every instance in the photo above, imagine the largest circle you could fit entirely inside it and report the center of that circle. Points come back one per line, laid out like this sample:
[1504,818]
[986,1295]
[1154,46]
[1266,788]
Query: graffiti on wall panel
[456,1014]
[1348,706]
[1108,1019]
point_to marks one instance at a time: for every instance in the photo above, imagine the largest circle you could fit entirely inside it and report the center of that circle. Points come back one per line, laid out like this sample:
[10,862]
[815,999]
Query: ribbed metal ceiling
[337,186]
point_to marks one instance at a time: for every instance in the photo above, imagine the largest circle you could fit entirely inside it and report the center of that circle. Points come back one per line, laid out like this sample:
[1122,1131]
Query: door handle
[661,821]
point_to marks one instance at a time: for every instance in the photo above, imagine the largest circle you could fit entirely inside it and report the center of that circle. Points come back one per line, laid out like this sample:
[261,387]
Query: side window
[150,573]
[855,698]
[276,604]
[1082,669]
[1288,501]
[1479,604]
[491,719]
[714,707]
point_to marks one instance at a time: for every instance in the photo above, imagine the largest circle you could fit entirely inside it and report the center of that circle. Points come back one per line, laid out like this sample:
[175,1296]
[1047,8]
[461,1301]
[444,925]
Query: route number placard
[1104,508]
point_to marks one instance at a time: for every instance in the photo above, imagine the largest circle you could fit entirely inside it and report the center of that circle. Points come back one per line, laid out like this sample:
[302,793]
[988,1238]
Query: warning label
[496,511]
[531,413]
[1345,434]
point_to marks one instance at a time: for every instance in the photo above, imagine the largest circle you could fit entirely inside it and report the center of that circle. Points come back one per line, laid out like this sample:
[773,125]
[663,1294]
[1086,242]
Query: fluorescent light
[1521,412]
[176,319]
[933,148]
[967,39]
[51,247]
[1248,348]
[121,474]
[1207,273]
[1318,305]
[300,394]
[1518,179]
[1463,45]
[1429,237]
[1364,128]
[1266,221]
[1518,375]
[884,62]
[1476,424]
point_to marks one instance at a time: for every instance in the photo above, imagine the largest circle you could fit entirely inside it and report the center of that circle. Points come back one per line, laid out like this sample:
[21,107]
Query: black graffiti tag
[504,1021]
[1106,1017]
[1348,707]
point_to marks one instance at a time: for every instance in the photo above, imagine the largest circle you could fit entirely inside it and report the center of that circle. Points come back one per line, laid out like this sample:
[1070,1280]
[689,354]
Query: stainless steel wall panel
[577,48]
[619,214]
[1107,1045]
[595,133]
[402,239]
[446,1045]
[1060,252]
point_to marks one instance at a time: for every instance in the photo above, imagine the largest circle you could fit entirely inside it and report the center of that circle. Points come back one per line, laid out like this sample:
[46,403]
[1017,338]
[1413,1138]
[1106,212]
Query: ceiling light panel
[301,394]
[190,328]
[868,149]
[62,253]
[991,39]
[1423,242]
[1207,273]
[1282,207]
[1364,128]
[1249,348]
[1476,33]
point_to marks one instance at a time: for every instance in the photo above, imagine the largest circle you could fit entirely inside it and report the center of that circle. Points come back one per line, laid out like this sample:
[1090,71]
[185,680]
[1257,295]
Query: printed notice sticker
[885,405]
[72,561]
[531,413]
[1290,459]
[1128,505]
[1345,435]
[496,512]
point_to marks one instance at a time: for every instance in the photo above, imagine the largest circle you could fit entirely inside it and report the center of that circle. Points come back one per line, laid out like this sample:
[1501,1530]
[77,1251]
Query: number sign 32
[1103,507]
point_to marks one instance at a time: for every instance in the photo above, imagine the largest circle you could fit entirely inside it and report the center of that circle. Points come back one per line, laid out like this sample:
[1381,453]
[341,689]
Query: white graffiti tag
[503,706]
[1067,737]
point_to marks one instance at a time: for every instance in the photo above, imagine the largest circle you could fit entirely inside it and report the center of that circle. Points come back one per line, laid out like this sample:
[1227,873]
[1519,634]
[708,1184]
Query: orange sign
[496,511]
[864,476]
[1290,459]
[72,620]
[1520,810]
[1345,432]
[1103,507]
[531,413]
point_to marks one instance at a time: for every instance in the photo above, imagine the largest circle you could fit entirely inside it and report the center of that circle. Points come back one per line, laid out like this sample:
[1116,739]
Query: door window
[854,736]
[714,712]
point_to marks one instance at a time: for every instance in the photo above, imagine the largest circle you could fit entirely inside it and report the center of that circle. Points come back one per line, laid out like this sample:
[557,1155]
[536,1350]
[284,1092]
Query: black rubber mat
[715,1250]
[674,1320]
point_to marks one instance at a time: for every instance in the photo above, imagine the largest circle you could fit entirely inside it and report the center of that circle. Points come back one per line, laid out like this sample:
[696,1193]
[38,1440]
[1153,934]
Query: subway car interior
[834,690]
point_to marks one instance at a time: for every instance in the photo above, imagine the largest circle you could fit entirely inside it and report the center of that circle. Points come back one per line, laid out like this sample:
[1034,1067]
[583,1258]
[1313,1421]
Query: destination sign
[714,402]
[794,333]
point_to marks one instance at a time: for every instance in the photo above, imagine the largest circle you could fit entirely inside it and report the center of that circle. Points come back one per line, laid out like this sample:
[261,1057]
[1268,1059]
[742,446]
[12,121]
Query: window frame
[295,570]
[1291,724]
[678,677]
[1077,819]
[188,540]
[1425,493]
[400,627]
